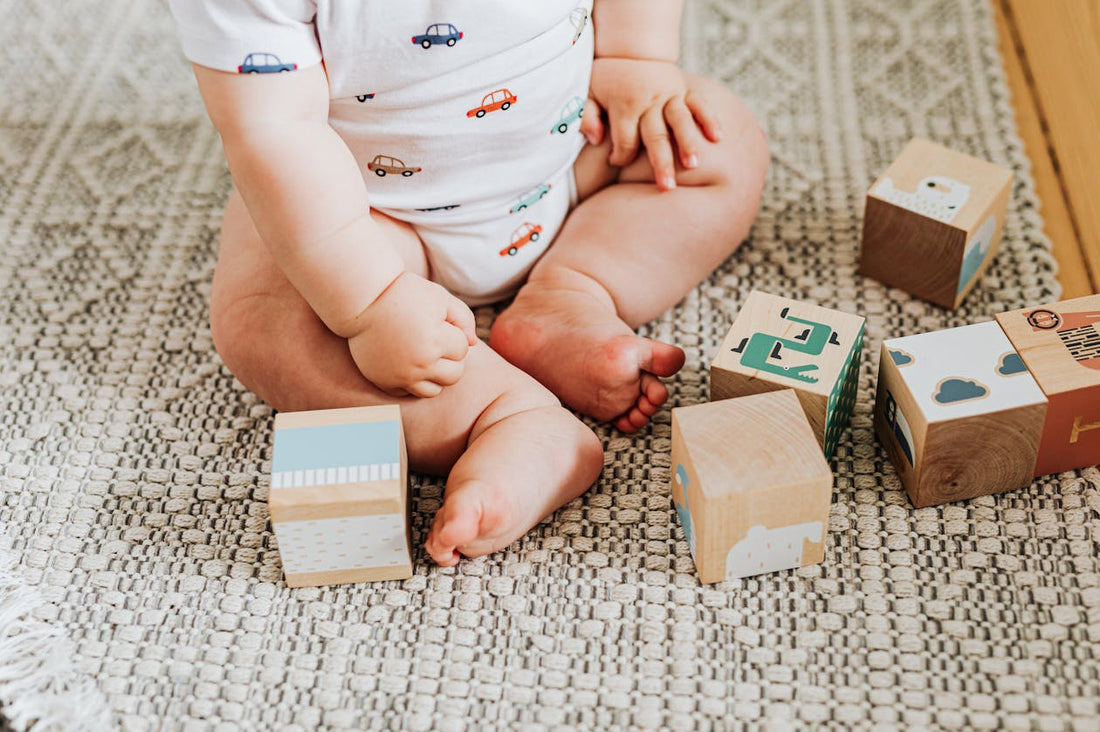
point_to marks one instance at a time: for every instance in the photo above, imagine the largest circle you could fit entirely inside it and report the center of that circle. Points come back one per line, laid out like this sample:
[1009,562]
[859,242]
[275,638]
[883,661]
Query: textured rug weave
[140,584]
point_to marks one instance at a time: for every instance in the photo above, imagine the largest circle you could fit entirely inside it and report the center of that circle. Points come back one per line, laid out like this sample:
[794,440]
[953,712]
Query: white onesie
[464,115]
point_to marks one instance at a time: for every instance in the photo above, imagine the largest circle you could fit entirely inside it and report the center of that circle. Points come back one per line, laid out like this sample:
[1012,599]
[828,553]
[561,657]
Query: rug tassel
[39,687]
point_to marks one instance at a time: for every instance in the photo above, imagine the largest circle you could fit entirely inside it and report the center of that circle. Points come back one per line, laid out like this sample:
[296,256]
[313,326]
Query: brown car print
[383,164]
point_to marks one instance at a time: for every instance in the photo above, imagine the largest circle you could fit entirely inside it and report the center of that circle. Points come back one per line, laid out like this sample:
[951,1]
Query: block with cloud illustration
[338,499]
[750,485]
[779,343]
[933,222]
[1060,343]
[958,413]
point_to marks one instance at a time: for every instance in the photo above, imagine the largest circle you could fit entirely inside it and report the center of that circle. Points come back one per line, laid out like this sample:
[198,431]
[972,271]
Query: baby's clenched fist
[413,338]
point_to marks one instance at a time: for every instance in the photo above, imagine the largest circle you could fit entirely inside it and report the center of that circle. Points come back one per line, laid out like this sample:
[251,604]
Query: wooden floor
[1051,53]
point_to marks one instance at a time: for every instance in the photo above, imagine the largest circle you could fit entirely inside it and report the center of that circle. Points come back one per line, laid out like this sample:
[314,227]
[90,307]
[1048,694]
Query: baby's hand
[413,338]
[648,104]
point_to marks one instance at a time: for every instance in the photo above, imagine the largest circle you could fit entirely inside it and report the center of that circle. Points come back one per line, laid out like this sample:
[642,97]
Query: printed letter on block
[776,343]
[750,485]
[338,501]
[933,222]
[1060,344]
[958,413]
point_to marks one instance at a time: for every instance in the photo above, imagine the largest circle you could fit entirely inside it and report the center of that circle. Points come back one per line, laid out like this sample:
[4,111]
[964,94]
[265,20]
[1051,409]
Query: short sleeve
[248,36]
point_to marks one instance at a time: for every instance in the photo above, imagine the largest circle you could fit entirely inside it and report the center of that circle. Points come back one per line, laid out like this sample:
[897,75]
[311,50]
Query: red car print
[526,232]
[500,99]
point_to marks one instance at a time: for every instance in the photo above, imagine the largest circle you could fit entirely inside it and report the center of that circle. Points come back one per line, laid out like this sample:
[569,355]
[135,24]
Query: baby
[397,162]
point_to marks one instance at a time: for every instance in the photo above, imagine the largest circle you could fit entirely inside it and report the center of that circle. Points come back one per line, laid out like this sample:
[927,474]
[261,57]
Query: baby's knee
[740,159]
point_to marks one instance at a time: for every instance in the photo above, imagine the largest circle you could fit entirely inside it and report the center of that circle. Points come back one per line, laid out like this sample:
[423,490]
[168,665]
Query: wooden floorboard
[1059,227]
[1057,45]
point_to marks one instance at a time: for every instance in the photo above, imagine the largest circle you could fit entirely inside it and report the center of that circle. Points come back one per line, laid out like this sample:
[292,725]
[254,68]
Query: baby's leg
[517,455]
[625,255]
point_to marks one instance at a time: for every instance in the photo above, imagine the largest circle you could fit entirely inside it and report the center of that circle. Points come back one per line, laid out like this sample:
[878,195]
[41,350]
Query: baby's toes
[441,554]
[654,394]
[456,525]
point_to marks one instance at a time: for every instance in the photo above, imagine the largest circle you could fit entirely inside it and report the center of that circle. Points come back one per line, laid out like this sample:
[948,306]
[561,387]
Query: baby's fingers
[658,147]
[446,372]
[424,389]
[624,139]
[685,131]
[460,316]
[704,116]
[592,122]
[452,343]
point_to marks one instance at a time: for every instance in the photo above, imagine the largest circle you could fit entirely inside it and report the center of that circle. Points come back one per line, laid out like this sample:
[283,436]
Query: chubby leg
[625,255]
[516,454]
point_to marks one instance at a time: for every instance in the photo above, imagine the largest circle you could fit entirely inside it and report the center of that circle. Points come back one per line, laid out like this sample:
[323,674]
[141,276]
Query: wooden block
[958,413]
[750,485]
[777,343]
[1060,345]
[933,222]
[339,499]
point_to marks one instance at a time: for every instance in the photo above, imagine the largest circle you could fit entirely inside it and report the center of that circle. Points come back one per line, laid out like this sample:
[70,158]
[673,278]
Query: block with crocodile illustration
[778,343]
[338,499]
[1060,344]
[958,413]
[750,485]
[933,222]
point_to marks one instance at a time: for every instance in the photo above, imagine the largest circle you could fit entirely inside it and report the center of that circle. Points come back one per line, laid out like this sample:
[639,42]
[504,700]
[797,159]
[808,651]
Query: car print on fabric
[438,34]
[530,198]
[524,233]
[385,164]
[264,63]
[579,19]
[501,99]
[570,113]
[364,97]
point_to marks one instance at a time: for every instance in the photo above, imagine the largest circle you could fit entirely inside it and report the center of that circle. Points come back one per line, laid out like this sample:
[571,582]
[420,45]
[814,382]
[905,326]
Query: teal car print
[264,63]
[570,113]
[530,198]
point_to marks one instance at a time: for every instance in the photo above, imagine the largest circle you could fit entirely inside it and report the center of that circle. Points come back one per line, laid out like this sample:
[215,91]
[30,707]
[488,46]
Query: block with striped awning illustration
[339,500]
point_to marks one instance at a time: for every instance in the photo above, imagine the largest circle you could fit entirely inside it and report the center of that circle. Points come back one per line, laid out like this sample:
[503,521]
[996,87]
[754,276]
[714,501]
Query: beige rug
[142,583]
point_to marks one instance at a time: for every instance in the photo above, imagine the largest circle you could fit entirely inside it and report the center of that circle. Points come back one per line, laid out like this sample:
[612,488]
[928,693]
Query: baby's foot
[513,475]
[586,355]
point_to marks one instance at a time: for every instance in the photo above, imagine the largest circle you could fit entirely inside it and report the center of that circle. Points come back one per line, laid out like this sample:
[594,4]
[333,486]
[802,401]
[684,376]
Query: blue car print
[570,113]
[264,63]
[438,33]
[531,197]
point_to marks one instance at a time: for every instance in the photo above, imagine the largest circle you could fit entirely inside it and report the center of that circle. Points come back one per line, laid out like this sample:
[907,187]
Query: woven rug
[140,584]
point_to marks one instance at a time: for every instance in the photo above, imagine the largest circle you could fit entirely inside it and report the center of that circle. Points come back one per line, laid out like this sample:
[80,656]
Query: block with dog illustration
[338,499]
[779,343]
[933,222]
[1060,344]
[750,485]
[958,413]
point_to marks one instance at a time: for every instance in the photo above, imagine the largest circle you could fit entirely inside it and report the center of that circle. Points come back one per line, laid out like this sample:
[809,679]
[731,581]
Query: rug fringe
[39,687]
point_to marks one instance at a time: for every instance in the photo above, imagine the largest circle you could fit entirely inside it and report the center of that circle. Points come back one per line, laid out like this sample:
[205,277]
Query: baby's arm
[635,79]
[306,196]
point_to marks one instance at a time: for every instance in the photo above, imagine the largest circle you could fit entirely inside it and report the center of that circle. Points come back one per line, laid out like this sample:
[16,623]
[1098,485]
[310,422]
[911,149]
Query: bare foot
[586,355]
[511,477]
